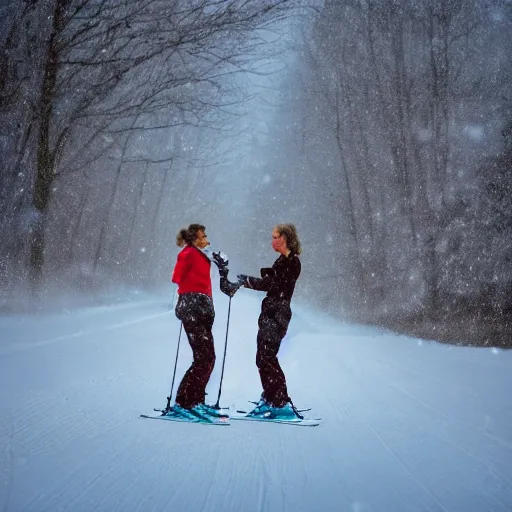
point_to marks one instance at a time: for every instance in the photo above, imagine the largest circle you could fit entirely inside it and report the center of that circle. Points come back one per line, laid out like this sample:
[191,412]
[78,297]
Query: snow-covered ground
[408,425]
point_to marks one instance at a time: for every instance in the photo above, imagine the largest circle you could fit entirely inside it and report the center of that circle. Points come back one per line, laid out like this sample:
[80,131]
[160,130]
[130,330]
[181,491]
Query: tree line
[395,126]
[113,108]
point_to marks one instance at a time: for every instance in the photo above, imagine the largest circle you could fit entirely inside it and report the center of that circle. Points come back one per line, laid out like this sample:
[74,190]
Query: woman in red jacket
[195,309]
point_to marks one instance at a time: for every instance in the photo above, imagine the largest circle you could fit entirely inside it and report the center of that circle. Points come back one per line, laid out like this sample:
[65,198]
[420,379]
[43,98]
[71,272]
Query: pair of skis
[223,420]
[238,416]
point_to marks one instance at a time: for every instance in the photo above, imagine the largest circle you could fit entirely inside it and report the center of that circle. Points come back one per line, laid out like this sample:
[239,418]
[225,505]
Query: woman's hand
[221,260]
[243,280]
[229,288]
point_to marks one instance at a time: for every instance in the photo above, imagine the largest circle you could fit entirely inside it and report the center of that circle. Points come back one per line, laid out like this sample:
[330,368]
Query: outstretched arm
[262,284]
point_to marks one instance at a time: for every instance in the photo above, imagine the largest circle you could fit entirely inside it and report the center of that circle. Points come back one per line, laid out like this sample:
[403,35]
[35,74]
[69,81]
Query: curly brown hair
[292,238]
[188,235]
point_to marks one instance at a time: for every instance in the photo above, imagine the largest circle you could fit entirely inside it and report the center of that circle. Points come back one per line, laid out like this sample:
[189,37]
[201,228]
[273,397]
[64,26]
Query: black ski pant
[196,312]
[273,323]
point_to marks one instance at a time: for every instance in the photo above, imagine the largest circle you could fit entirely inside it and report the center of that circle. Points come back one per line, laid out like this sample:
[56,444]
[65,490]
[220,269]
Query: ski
[298,420]
[256,403]
[306,422]
[239,411]
[164,411]
[205,421]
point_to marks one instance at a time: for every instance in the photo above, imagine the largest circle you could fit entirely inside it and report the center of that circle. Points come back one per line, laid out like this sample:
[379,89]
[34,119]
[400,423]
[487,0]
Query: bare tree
[387,92]
[107,63]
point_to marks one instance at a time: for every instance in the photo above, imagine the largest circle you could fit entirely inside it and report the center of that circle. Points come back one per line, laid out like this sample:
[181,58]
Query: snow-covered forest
[382,129]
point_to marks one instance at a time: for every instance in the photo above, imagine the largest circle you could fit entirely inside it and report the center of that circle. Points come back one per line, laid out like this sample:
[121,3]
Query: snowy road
[408,425]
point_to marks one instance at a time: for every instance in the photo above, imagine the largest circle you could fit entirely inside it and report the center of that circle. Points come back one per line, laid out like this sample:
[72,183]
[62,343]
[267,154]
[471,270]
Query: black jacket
[278,281]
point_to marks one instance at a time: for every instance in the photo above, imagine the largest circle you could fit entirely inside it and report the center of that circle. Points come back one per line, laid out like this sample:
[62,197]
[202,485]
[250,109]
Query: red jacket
[192,272]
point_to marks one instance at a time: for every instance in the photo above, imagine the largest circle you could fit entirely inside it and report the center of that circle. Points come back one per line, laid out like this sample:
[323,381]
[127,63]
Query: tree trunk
[106,219]
[360,278]
[45,163]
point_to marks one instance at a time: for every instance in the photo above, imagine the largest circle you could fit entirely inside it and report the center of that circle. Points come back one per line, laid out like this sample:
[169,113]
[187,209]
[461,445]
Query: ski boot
[287,412]
[211,411]
[262,409]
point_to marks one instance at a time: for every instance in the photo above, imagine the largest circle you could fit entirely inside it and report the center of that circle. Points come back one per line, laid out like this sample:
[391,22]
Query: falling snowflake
[474,132]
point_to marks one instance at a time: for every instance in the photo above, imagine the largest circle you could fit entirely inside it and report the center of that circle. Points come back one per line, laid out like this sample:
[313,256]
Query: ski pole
[168,408]
[217,406]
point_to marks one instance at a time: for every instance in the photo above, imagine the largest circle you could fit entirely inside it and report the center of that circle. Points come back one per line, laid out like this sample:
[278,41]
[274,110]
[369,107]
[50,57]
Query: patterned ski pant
[196,312]
[273,323]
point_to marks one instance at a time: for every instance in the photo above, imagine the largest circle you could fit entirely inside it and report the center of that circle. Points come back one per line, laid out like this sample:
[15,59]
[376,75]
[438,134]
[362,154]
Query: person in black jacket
[279,283]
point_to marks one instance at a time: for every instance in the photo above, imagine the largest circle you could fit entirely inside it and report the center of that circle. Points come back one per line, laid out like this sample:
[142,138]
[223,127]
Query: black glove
[221,260]
[243,280]
[228,288]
